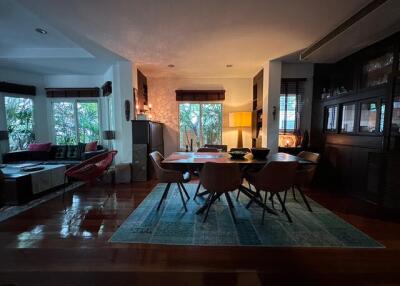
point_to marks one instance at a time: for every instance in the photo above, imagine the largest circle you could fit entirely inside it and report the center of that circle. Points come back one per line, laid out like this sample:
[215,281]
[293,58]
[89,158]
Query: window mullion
[76,120]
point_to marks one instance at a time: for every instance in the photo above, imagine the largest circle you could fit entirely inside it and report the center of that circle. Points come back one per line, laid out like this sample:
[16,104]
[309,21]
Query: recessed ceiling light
[171,66]
[41,31]
[229,66]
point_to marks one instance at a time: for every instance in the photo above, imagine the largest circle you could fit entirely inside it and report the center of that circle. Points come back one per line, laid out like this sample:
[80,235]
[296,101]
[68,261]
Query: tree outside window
[19,117]
[201,123]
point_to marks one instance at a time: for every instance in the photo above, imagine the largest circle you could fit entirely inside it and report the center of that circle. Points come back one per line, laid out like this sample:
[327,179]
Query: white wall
[122,89]
[271,94]
[238,97]
[292,70]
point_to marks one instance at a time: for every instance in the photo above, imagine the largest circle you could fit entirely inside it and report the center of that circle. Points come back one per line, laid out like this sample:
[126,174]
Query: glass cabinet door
[368,116]
[376,71]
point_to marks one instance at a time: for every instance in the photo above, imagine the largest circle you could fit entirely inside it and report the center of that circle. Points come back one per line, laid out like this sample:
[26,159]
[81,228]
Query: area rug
[172,225]
[7,212]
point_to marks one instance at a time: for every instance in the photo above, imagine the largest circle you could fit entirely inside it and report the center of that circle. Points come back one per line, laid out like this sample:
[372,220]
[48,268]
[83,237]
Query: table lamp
[240,120]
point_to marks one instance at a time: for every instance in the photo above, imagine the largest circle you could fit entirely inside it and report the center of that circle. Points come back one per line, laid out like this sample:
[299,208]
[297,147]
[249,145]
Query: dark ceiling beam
[366,10]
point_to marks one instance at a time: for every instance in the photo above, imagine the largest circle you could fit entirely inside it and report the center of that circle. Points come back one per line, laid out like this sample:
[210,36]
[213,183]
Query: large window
[19,116]
[75,121]
[201,123]
[290,105]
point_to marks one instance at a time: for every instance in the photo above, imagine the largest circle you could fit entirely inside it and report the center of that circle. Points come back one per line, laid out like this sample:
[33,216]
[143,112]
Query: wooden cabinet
[147,136]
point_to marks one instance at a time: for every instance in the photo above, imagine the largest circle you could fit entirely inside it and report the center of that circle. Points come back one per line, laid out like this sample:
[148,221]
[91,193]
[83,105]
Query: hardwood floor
[47,246]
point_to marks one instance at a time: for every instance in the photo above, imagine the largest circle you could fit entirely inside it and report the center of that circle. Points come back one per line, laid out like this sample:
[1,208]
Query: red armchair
[91,169]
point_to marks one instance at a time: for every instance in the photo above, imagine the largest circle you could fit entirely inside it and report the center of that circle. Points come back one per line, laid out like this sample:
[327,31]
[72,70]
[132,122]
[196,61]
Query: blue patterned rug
[171,225]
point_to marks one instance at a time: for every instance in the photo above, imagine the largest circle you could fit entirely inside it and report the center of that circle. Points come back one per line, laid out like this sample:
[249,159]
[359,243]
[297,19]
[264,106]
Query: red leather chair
[92,169]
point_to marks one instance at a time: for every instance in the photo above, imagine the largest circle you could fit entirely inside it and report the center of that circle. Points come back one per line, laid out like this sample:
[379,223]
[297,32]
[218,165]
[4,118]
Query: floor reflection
[28,238]
[88,221]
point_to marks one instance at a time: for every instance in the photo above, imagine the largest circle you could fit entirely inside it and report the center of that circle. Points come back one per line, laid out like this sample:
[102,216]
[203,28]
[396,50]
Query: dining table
[193,160]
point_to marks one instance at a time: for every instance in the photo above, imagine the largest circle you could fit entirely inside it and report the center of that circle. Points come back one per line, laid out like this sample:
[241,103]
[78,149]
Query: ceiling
[22,48]
[199,37]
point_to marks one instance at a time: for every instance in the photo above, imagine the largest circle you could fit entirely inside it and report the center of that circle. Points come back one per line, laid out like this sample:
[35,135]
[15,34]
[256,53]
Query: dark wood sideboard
[147,136]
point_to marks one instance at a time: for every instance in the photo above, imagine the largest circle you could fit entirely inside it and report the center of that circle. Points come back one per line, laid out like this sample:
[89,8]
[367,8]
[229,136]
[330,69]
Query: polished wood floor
[48,246]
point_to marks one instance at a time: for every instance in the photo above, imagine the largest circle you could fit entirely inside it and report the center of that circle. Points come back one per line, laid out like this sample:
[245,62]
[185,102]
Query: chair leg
[271,198]
[265,202]
[257,194]
[284,208]
[184,190]
[304,198]
[231,207]
[164,195]
[197,190]
[238,193]
[284,197]
[182,198]
[213,197]
[294,193]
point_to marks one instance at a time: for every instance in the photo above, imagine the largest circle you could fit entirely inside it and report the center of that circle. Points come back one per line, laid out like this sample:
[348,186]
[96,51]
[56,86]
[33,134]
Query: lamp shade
[240,119]
[108,135]
[3,135]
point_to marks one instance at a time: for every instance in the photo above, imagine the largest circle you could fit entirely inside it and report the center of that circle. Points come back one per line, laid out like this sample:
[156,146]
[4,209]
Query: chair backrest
[247,150]
[220,177]
[102,162]
[207,149]
[1,187]
[310,156]
[306,174]
[157,158]
[223,148]
[276,176]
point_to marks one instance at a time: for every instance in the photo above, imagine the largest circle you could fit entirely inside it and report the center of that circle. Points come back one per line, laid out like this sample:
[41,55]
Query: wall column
[271,94]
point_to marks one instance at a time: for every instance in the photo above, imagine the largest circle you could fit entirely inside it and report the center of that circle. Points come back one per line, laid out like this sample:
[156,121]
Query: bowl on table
[237,154]
[260,153]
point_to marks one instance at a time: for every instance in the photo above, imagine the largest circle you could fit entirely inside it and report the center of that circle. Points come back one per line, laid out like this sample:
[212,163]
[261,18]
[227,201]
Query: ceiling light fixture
[229,66]
[171,66]
[41,31]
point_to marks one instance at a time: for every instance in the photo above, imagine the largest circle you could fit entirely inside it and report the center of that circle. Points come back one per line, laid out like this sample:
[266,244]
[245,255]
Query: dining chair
[169,177]
[275,177]
[220,179]
[304,175]
[220,147]
[202,150]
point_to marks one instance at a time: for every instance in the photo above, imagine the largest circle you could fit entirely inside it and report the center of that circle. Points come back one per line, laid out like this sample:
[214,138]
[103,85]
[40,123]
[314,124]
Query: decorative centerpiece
[237,154]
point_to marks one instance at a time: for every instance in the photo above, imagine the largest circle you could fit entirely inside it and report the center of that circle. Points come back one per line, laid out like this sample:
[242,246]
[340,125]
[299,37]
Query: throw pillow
[73,152]
[92,146]
[59,151]
[39,147]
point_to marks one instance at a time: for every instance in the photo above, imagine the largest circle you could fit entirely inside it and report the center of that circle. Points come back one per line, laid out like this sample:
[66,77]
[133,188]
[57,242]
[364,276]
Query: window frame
[200,115]
[75,101]
[3,96]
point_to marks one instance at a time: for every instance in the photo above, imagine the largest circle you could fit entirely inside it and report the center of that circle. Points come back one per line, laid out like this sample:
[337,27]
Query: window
[331,118]
[290,105]
[201,123]
[368,117]
[19,117]
[75,121]
[348,116]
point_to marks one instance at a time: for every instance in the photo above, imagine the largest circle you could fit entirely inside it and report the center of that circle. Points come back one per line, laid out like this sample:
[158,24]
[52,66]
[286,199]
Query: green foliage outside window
[19,117]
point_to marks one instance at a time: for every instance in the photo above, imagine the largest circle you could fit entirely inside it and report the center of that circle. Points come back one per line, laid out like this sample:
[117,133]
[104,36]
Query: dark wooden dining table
[181,160]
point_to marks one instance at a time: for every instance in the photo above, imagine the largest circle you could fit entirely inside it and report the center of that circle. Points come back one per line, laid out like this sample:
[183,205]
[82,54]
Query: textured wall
[238,97]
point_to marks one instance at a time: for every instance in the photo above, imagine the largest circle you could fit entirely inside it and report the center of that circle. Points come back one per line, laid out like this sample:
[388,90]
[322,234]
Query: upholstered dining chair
[220,147]
[304,175]
[275,177]
[203,150]
[219,179]
[170,177]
